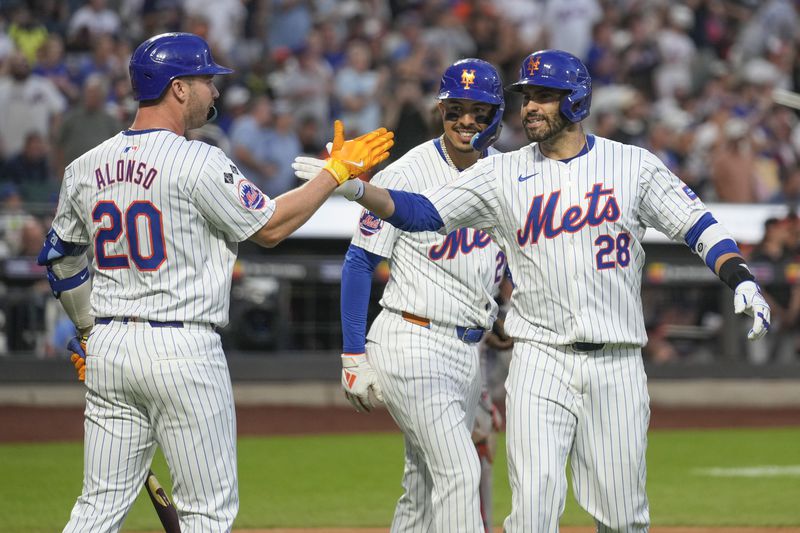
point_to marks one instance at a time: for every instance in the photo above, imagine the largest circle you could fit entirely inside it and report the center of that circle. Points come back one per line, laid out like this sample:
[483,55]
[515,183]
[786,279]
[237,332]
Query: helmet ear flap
[488,136]
[575,105]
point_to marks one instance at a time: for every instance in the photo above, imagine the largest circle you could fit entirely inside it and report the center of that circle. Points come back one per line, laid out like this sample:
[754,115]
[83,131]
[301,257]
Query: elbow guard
[67,267]
[710,240]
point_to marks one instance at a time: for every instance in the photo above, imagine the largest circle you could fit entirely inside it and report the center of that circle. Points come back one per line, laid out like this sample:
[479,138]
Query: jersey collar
[141,132]
[585,150]
[437,142]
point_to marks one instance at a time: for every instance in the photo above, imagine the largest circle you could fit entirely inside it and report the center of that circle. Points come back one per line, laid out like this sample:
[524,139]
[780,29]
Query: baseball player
[421,354]
[163,216]
[570,211]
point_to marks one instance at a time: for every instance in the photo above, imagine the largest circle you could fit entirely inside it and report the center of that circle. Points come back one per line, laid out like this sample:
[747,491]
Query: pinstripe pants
[431,385]
[148,387]
[591,408]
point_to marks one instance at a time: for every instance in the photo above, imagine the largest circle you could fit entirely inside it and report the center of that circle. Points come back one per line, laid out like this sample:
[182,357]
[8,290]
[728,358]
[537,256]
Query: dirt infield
[41,424]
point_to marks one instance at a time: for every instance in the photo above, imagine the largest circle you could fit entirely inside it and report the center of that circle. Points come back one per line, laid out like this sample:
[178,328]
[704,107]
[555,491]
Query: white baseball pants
[431,384]
[591,408]
[162,386]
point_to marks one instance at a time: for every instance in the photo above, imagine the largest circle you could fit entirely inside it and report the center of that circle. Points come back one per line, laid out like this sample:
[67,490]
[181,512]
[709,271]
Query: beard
[551,126]
[197,113]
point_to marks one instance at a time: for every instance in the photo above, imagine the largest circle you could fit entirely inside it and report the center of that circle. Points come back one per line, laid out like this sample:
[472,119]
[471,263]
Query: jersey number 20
[107,211]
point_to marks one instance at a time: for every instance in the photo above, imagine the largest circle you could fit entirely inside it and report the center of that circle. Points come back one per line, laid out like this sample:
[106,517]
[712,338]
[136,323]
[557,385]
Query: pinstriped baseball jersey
[164,216]
[448,279]
[575,229]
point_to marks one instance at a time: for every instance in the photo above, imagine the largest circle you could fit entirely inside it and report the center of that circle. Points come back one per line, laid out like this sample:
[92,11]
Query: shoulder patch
[250,196]
[228,177]
[689,192]
[369,224]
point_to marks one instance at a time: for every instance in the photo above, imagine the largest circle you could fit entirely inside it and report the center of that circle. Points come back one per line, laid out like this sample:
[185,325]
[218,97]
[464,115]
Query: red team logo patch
[369,224]
[250,196]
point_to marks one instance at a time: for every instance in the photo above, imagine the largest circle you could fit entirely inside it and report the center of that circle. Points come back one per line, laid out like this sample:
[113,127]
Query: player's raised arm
[348,159]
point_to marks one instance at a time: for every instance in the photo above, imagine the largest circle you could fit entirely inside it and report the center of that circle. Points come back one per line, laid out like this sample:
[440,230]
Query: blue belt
[586,346]
[126,319]
[469,335]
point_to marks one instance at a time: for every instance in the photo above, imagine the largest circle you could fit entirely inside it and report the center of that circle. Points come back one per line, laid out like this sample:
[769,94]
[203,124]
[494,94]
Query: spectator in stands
[569,23]
[289,24]
[358,89]
[234,105]
[250,137]
[225,20]
[27,33]
[13,219]
[733,164]
[407,111]
[309,133]
[91,21]
[782,295]
[306,82]
[640,58]
[283,147]
[103,60]
[86,125]
[28,103]
[51,64]
[673,76]
[31,172]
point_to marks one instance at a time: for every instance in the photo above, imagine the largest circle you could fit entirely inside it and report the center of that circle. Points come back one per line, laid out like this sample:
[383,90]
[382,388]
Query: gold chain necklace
[446,153]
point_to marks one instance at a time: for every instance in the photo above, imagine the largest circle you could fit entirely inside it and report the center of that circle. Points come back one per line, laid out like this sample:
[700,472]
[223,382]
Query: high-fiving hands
[354,157]
[306,168]
[747,299]
[358,378]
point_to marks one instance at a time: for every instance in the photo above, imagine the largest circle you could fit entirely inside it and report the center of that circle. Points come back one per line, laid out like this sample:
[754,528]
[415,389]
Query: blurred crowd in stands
[707,85]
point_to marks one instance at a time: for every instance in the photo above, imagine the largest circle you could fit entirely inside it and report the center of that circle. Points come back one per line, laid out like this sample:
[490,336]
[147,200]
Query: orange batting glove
[354,157]
[77,345]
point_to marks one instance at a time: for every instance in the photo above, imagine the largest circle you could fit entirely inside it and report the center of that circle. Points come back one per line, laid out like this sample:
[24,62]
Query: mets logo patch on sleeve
[369,224]
[250,196]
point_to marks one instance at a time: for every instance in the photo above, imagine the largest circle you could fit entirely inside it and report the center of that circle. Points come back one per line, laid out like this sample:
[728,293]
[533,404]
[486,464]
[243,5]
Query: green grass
[354,480]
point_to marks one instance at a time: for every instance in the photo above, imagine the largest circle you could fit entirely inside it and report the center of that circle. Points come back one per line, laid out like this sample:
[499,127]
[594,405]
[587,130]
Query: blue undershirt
[357,271]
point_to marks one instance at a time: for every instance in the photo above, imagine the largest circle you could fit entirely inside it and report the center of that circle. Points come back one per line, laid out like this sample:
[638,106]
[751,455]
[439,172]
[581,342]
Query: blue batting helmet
[559,70]
[475,79]
[161,59]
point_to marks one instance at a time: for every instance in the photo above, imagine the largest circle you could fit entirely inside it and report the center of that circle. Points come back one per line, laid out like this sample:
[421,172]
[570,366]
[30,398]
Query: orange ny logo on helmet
[467,77]
[533,66]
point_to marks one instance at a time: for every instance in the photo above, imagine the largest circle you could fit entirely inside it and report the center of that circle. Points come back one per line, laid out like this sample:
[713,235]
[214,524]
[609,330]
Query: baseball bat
[164,509]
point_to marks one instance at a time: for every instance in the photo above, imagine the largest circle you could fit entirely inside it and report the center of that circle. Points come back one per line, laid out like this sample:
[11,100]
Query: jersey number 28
[141,216]
[608,245]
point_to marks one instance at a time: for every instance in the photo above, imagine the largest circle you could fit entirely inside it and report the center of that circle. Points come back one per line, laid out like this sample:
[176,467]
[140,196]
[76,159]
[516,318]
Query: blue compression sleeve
[413,212]
[357,270]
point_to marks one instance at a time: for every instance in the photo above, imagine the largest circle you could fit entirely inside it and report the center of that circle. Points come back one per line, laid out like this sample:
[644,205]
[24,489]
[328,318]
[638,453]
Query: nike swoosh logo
[522,178]
[84,276]
[360,164]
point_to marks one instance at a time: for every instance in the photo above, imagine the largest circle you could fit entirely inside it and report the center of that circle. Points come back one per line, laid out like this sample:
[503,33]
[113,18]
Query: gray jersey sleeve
[373,234]
[666,203]
[68,223]
[228,200]
[472,200]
